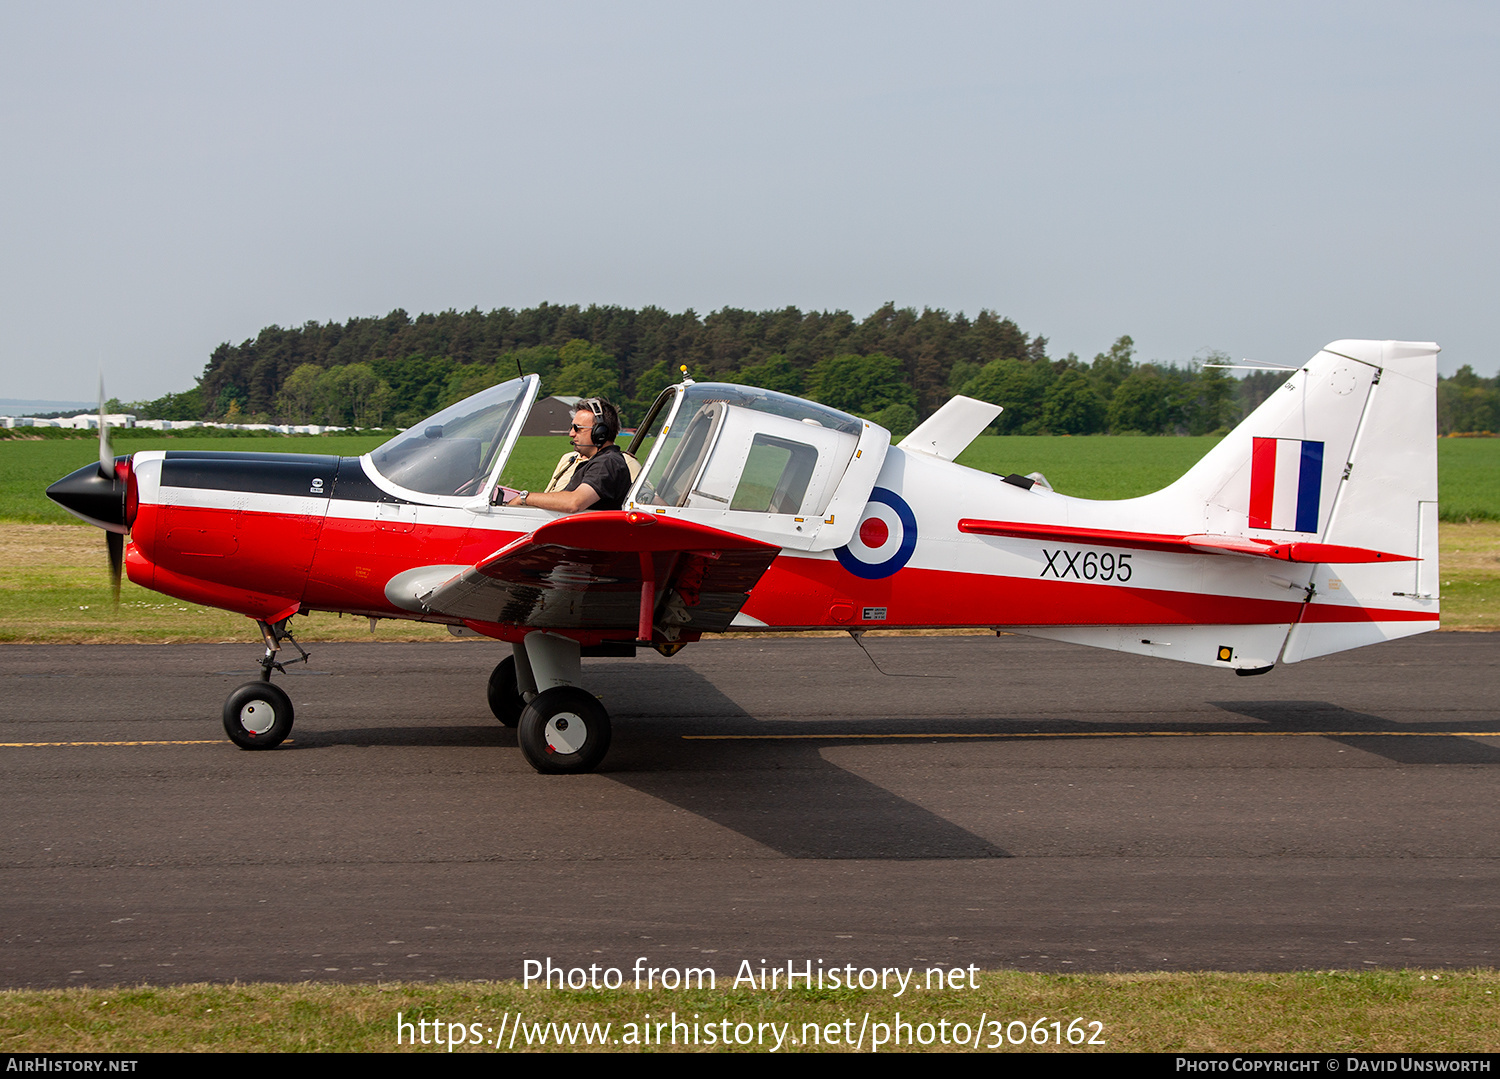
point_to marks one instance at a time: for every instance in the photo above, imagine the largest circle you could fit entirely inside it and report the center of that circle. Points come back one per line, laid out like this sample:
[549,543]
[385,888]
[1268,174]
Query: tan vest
[569,462]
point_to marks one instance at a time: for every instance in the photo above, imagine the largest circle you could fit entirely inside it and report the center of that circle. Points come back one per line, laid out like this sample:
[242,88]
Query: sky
[1259,179]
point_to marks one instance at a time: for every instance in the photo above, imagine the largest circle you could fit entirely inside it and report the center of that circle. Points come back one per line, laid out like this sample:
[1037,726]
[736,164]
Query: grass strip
[1430,1011]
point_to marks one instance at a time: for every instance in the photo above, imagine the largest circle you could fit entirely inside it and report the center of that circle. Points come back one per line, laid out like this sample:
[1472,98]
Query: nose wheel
[564,731]
[258,715]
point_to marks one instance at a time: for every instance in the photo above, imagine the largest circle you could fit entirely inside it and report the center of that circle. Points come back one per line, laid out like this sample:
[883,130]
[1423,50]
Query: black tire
[504,695]
[550,737]
[258,715]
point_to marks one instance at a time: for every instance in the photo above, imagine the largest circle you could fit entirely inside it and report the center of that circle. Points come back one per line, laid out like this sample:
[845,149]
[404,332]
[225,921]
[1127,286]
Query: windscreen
[454,452]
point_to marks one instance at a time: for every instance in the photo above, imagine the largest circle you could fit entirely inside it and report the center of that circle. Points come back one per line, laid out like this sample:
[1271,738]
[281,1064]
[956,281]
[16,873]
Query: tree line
[1468,404]
[895,366]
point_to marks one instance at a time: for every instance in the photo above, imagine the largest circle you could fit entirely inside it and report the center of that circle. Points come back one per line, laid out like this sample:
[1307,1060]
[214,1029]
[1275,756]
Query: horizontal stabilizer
[948,431]
[1332,554]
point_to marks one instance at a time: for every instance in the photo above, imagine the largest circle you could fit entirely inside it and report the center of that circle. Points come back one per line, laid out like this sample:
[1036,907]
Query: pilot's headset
[603,430]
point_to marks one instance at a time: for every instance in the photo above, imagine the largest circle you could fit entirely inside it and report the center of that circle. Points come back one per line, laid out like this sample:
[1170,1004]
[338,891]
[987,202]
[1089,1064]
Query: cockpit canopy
[729,447]
[780,465]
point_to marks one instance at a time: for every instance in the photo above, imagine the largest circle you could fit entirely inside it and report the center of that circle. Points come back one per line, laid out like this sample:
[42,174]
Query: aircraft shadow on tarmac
[782,794]
[786,796]
[1322,716]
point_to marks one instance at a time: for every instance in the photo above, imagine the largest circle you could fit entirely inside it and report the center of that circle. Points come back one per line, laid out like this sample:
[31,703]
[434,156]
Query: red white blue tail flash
[1286,484]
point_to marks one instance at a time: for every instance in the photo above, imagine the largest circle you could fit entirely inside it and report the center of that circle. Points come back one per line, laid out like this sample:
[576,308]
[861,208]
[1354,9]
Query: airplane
[1310,529]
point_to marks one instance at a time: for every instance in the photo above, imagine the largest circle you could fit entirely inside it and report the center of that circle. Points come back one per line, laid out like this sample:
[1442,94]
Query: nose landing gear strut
[258,715]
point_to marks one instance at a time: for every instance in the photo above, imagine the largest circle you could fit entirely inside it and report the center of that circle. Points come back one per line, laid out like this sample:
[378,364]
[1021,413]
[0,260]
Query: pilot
[603,476]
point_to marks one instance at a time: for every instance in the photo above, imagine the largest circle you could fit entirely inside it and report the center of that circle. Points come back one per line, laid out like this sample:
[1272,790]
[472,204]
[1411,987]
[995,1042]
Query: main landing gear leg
[258,715]
[563,729]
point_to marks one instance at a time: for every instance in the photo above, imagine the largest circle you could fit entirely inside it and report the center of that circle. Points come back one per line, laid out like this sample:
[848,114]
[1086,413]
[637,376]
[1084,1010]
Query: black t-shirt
[607,473]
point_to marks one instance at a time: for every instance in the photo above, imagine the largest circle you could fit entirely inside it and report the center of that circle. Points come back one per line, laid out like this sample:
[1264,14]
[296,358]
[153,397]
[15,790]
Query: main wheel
[504,695]
[564,731]
[258,715]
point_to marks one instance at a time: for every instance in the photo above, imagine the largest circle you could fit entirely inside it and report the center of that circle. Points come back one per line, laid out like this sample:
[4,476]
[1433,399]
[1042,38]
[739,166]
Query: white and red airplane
[1310,529]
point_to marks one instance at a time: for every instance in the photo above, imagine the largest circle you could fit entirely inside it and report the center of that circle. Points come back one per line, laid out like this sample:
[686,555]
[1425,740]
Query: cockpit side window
[673,474]
[775,477]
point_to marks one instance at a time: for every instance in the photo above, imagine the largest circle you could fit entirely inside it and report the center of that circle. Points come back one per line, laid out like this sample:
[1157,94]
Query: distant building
[89,421]
[125,419]
[85,422]
[551,416]
[168,425]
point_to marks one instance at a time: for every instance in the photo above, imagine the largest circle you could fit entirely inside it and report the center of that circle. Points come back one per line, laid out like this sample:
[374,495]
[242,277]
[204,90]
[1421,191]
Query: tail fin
[1344,454]
[1386,499]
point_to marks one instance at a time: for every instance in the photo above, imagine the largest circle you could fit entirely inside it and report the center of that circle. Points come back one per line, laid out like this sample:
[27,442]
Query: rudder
[1385,499]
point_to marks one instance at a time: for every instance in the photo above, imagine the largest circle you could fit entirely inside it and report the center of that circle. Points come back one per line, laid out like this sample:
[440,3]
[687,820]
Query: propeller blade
[116,544]
[106,455]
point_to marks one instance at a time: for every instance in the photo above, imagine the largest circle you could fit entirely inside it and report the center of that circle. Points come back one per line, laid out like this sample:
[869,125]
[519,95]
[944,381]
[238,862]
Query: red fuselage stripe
[814,592]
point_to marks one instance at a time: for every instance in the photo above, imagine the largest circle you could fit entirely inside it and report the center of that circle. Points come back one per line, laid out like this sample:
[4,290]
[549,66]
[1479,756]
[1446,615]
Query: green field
[1097,466]
[1311,1011]
[1469,479]
[1093,466]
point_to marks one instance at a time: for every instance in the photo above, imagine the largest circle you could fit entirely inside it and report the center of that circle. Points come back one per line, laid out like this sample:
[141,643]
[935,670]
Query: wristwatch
[524,496]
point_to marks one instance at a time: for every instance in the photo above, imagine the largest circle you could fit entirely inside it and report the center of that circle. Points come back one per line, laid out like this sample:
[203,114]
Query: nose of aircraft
[102,500]
[89,494]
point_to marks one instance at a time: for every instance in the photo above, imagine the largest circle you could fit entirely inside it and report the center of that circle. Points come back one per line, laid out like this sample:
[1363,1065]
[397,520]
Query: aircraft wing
[610,570]
[1331,553]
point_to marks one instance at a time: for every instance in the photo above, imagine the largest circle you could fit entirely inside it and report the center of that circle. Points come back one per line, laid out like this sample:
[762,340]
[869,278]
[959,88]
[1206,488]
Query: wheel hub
[565,733]
[257,717]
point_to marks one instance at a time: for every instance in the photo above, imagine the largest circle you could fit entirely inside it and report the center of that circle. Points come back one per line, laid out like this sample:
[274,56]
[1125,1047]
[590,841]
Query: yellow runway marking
[196,742]
[1103,734]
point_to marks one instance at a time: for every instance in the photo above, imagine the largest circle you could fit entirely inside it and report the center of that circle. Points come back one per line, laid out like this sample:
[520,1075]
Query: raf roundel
[883,540]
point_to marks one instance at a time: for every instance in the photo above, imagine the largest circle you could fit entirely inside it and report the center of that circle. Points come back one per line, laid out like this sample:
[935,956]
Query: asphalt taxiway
[1004,802]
